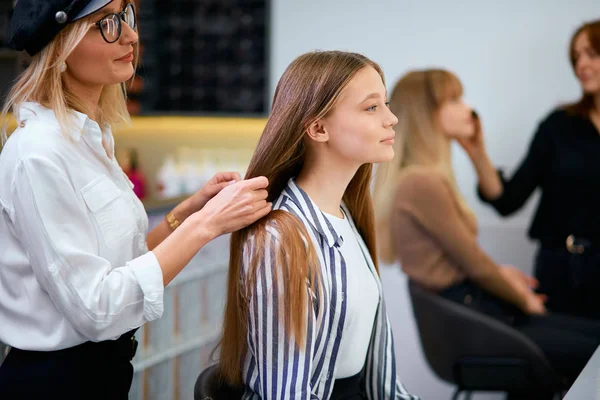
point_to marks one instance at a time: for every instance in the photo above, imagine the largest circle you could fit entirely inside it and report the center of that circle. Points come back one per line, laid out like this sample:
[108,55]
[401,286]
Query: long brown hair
[585,105]
[415,100]
[307,92]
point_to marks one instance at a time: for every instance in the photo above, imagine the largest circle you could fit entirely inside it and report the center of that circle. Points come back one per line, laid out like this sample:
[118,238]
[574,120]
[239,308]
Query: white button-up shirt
[74,265]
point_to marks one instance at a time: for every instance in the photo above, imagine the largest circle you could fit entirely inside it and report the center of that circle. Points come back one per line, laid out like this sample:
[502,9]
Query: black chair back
[476,351]
[210,386]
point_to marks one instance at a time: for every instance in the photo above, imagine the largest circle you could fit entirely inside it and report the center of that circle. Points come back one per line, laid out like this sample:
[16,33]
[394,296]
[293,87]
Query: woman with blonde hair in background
[79,273]
[305,316]
[424,222]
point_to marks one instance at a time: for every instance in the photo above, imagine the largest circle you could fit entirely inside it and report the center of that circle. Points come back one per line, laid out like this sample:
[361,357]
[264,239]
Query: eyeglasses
[110,25]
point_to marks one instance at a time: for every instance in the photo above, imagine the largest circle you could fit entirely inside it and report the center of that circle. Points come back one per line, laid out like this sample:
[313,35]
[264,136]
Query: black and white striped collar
[312,213]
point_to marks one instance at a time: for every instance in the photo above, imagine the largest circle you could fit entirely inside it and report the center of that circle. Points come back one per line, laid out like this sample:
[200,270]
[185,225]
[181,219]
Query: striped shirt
[274,366]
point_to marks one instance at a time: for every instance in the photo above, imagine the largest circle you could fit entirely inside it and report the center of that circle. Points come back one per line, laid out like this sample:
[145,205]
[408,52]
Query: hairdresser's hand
[234,207]
[210,189]
[474,145]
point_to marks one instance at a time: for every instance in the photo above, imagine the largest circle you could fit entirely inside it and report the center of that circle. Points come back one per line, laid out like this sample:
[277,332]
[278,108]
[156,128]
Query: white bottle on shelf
[230,160]
[168,179]
[208,165]
[192,177]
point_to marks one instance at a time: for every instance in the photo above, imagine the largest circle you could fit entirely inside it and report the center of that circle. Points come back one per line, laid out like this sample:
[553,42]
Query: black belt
[125,346]
[572,243]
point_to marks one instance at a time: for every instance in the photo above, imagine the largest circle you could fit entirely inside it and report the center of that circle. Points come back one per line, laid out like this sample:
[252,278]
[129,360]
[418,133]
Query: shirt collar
[312,213]
[96,138]
[30,110]
[82,126]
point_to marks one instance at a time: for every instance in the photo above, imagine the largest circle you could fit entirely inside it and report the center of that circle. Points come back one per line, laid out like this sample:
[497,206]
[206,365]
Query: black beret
[36,22]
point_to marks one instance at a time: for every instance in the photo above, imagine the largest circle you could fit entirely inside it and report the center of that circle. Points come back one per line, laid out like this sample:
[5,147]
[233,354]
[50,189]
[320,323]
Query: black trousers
[571,281]
[89,371]
[567,341]
[348,389]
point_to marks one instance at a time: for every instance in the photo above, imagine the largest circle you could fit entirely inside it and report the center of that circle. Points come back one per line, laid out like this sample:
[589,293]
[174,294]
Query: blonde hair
[415,100]
[42,82]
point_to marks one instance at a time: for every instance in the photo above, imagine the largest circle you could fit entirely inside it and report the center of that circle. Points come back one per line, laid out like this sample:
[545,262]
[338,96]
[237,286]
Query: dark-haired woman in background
[564,162]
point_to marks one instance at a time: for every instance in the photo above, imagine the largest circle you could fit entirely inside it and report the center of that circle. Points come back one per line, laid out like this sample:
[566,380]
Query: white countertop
[587,385]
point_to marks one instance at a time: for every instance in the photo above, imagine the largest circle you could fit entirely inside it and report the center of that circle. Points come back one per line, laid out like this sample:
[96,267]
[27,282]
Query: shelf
[193,125]
[168,125]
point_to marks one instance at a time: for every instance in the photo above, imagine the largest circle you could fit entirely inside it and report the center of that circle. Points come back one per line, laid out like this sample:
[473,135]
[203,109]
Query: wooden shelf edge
[196,125]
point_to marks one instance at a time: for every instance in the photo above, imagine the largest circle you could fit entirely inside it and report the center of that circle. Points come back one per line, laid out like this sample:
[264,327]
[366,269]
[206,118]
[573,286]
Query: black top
[564,161]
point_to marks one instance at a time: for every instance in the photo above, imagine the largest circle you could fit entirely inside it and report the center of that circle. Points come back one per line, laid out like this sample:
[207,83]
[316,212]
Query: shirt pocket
[110,210]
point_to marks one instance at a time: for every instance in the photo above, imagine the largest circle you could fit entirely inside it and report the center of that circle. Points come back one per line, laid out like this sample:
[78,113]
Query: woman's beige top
[435,241]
